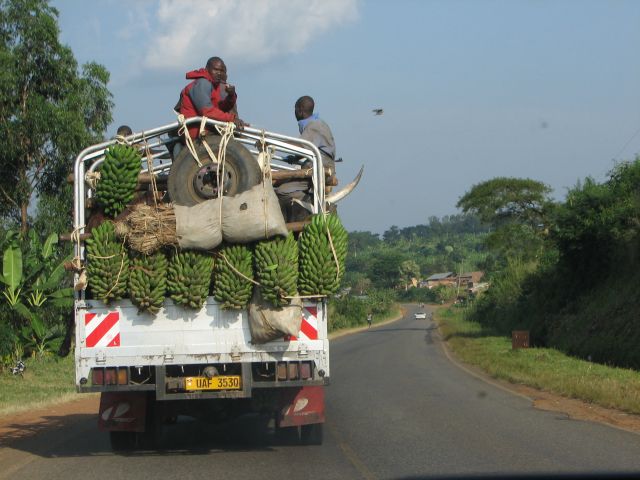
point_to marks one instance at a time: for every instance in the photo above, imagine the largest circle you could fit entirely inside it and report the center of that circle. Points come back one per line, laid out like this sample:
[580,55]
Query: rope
[154,186]
[242,275]
[226,134]
[333,250]
[267,152]
[92,179]
[183,130]
[122,140]
[75,237]
[123,255]
[236,271]
[76,261]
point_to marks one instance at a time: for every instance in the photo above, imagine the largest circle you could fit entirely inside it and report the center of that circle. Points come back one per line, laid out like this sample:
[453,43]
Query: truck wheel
[151,438]
[190,184]
[122,441]
[312,434]
[287,435]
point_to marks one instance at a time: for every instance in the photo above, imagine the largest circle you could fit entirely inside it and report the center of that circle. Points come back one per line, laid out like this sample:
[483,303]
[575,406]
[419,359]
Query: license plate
[224,382]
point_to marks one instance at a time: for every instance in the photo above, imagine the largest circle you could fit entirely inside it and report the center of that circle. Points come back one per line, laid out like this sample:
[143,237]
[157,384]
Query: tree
[519,209]
[508,200]
[48,110]
[385,272]
[409,269]
[358,241]
[392,235]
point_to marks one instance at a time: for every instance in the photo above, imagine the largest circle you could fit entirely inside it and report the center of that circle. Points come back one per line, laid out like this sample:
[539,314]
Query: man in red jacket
[209,95]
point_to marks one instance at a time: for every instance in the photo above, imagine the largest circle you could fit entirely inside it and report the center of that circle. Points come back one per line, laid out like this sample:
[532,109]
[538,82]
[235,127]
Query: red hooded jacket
[218,110]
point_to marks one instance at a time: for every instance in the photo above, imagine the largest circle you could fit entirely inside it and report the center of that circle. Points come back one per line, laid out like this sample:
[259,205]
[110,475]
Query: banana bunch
[320,274]
[118,178]
[148,281]
[189,277]
[229,287]
[276,263]
[107,264]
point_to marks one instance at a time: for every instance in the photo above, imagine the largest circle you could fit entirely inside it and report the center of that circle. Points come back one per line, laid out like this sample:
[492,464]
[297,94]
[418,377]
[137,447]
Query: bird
[377,111]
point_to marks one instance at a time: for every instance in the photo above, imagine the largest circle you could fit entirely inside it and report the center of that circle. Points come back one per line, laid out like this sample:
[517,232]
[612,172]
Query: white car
[420,315]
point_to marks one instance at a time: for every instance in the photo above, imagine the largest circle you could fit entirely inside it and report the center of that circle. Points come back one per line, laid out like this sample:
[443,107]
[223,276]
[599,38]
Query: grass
[543,368]
[46,381]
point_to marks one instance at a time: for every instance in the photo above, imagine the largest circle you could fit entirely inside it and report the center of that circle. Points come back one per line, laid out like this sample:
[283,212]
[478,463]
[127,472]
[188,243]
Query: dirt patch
[580,410]
[549,401]
[26,424]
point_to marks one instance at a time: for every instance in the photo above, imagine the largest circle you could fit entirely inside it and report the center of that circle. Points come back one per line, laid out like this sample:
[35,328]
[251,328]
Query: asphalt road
[397,408]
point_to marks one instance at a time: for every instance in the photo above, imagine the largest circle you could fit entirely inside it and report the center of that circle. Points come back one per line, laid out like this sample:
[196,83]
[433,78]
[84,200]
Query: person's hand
[230,89]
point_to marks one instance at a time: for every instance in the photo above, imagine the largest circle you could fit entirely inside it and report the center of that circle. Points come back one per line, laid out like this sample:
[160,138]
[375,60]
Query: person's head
[304,107]
[124,131]
[217,69]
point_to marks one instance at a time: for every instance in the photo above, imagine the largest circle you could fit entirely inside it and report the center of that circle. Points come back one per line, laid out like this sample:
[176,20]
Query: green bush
[349,311]
[8,345]
[414,295]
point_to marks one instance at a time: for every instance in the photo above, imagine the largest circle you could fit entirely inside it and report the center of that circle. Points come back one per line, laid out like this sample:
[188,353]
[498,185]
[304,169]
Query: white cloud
[242,31]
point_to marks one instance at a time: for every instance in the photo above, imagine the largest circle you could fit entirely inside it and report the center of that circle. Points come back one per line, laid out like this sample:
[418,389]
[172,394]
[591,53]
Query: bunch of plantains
[107,264]
[276,263]
[321,266]
[189,277]
[118,178]
[148,281]
[230,287]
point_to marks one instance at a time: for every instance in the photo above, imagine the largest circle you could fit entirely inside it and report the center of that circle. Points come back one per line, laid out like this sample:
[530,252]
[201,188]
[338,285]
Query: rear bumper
[162,381]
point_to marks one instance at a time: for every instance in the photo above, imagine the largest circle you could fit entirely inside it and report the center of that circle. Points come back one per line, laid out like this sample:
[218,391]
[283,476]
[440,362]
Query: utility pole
[461,269]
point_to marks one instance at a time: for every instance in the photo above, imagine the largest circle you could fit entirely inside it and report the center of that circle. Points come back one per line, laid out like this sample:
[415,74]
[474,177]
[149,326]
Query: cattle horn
[339,195]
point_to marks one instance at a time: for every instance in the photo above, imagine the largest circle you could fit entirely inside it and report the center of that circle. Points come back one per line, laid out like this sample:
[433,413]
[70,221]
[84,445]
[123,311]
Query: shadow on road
[78,436]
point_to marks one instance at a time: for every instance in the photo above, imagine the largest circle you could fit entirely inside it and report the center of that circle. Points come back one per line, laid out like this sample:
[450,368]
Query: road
[397,408]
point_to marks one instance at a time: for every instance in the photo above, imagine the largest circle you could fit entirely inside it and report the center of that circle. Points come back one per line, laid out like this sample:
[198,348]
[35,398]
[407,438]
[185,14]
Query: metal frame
[247,136]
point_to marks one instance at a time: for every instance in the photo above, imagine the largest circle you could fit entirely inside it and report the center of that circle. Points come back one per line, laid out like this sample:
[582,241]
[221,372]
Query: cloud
[242,31]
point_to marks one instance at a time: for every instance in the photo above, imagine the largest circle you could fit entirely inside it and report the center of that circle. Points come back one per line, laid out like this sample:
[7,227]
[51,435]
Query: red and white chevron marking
[309,325]
[102,330]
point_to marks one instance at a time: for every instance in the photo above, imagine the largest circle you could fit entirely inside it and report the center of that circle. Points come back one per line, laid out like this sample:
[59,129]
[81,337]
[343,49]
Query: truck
[151,369]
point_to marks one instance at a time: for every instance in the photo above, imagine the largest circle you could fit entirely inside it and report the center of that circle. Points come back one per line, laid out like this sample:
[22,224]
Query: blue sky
[471,89]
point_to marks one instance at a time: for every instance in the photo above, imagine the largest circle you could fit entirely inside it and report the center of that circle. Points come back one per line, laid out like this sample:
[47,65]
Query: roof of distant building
[440,276]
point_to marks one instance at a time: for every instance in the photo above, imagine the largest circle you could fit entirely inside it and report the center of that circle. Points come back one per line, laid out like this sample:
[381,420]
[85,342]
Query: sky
[471,89]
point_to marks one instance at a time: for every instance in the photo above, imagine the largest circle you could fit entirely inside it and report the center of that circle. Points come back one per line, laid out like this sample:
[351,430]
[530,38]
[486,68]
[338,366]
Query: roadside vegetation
[62,108]
[572,280]
[544,368]
[46,380]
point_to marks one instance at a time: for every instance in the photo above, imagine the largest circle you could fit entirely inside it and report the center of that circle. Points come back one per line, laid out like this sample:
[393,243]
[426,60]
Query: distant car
[420,315]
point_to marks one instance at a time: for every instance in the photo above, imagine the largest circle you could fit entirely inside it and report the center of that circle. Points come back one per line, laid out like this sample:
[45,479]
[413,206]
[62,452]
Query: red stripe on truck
[101,330]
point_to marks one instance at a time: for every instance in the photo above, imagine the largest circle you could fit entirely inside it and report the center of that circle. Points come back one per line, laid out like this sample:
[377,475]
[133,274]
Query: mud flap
[301,406]
[122,411]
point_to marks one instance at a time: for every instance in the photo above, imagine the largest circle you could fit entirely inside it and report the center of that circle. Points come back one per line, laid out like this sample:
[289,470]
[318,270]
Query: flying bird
[377,111]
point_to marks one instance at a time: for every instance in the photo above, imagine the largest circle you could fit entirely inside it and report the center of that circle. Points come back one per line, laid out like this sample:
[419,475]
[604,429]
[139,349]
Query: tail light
[97,376]
[123,377]
[294,371]
[305,370]
[110,376]
[282,370]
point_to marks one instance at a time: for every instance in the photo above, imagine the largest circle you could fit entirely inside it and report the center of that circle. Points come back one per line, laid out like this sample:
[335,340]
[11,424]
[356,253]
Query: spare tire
[190,183]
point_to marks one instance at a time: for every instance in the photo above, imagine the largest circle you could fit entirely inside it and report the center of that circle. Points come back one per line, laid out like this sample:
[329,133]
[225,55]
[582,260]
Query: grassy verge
[46,381]
[544,368]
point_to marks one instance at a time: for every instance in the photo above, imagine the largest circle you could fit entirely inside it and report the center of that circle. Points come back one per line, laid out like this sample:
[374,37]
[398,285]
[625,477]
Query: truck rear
[152,368]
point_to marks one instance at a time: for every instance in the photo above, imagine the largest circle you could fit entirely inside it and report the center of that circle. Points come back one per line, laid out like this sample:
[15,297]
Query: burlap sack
[267,322]
[198,226]
[252,215]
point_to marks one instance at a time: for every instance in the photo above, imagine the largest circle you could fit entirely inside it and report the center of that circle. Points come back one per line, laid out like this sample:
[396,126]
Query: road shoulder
[544,400]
